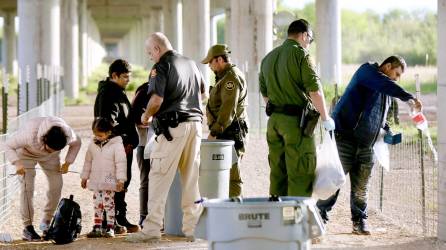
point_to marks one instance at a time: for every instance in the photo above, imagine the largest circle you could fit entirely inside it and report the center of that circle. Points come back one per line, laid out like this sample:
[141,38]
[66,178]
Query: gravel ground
[255,173]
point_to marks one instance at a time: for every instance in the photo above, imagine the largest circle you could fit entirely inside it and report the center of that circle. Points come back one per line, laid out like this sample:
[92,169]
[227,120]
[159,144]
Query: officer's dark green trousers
[292,157]
[235,181]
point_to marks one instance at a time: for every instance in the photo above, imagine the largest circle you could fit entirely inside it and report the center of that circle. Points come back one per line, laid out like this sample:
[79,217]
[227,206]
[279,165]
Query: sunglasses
[311,37]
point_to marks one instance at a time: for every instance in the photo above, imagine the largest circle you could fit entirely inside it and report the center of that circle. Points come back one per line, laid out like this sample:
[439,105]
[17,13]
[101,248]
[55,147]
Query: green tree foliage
[370,36]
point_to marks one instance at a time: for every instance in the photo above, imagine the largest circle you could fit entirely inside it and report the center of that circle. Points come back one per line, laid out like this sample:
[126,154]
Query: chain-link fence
[50,96]
[407,194]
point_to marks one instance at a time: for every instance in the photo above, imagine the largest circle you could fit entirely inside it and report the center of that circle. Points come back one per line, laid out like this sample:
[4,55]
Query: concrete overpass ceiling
[115,18]
[114,28]
[8,5]
[218,6]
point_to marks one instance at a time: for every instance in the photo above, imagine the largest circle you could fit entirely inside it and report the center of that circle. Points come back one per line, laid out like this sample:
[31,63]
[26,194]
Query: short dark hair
[102,124]
[119,67]
[395,61]
[298,26]
[55,138]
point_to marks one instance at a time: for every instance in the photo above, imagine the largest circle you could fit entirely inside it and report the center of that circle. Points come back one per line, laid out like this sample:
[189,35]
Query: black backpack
[66,224]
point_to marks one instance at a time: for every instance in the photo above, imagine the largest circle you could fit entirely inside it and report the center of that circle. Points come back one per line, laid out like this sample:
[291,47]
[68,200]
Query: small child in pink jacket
[105,170]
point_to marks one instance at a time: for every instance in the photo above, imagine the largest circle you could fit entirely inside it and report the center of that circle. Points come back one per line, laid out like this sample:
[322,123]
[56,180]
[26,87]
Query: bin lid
[217,143]
[258,202]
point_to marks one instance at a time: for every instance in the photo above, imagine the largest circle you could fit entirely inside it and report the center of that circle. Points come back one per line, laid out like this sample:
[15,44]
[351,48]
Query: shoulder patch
[310,62]
[230,85]
[153,73]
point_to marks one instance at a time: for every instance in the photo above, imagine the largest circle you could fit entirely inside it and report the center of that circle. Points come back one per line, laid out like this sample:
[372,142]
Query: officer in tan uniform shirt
[226,107]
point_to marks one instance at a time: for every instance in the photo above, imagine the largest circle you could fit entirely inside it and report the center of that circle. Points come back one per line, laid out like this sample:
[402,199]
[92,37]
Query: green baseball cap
[216,50]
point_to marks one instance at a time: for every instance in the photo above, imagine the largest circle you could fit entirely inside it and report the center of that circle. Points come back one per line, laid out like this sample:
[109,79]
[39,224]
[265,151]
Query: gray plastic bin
[216,159]
[256,223]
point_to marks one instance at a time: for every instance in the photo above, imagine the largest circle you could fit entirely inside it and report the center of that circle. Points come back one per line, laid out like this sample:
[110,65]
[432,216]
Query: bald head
[159,39]
[156,45]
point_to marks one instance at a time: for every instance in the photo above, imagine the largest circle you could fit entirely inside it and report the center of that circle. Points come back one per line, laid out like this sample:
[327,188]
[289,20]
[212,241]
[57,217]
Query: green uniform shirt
[227,99]
[286,71]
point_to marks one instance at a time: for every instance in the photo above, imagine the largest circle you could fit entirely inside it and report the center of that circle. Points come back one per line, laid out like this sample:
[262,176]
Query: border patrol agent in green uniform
[226,108]
[287,77]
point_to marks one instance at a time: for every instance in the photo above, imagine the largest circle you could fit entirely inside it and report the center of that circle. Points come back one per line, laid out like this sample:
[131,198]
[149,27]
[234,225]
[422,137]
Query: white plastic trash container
[256,223]
[216,159]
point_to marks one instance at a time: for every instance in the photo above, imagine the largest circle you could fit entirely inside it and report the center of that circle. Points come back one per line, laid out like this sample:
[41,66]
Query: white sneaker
[140,237]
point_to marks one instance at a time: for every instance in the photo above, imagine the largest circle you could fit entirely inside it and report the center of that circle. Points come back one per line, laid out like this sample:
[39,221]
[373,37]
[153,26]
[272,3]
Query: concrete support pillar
[38,41]
[196,15]
[213,30]
[228,26]
[328,39]
[173,23]
[139,48]
[441,64]
[251,40]
[95,49]
[133,44]
[83,38]
[146,31]
[123,47]
[9,42]
[70,44]
[157,19]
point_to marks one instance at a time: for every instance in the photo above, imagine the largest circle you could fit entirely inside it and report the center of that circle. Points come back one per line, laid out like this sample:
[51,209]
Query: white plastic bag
[149,146]
[381,150]
[329,172]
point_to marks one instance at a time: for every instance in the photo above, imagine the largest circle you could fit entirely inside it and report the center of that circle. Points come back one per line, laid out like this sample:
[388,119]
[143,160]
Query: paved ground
[255,173]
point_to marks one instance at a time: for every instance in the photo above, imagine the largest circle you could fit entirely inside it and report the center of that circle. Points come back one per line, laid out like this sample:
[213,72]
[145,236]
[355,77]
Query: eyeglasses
[310,37]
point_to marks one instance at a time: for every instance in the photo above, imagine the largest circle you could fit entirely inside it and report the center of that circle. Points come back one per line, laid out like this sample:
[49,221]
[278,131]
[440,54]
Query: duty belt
[287,109]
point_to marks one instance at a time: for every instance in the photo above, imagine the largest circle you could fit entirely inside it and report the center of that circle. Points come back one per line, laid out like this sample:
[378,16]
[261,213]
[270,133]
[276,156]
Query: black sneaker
[95,233]
[274,198]
[131,228]
[360,227]
[238,199]
[30,234]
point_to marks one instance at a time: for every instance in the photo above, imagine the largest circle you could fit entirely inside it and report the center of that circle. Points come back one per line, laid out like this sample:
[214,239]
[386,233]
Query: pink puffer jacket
[105,165]
[27,141]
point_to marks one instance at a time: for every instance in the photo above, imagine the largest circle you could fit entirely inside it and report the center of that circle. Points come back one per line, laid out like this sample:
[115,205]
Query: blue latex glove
[329,124]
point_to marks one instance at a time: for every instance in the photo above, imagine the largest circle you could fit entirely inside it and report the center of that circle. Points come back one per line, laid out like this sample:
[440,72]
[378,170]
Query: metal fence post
[381,191]
[27,79]
[39,84]
[423,185]
[19,83]
[5,101]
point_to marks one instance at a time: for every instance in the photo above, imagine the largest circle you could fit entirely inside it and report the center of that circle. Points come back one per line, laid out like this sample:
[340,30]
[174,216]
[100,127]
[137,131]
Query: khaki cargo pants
[182,153]
[50,166]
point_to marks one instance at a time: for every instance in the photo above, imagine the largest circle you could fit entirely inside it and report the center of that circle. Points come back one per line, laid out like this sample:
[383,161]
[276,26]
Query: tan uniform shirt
[227,100]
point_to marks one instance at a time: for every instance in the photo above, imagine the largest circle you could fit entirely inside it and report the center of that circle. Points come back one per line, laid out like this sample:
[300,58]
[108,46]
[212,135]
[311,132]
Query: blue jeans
[358,162]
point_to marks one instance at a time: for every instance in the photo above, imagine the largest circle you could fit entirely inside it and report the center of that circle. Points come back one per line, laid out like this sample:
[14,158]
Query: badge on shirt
[230,85]
[153,73]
